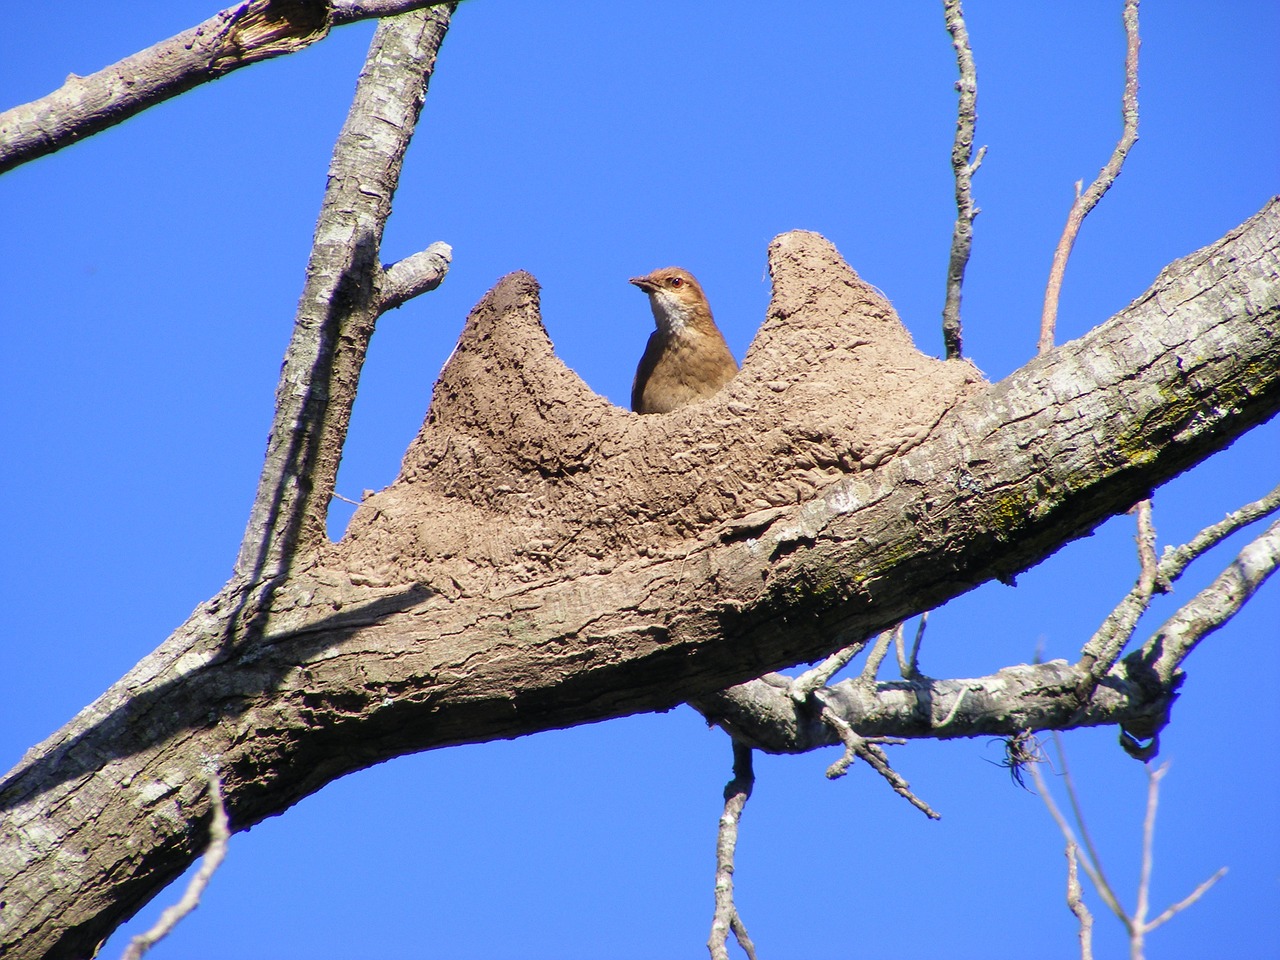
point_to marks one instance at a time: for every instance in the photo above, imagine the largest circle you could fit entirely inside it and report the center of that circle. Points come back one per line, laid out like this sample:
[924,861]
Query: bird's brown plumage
[686,358]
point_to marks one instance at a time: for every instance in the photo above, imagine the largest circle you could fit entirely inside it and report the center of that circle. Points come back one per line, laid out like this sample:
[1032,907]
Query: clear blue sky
[149,277]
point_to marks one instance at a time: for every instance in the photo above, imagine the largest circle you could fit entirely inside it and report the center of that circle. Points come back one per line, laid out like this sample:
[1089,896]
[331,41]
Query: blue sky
[149,277]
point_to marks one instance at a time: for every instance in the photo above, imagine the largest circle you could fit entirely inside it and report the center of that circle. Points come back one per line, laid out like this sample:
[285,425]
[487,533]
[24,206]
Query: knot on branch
[521,465]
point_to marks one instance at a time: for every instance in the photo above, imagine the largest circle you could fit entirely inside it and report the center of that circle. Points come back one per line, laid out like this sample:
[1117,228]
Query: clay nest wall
[520,471]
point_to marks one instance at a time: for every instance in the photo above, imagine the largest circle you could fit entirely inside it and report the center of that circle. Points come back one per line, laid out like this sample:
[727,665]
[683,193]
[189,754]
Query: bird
[686,358]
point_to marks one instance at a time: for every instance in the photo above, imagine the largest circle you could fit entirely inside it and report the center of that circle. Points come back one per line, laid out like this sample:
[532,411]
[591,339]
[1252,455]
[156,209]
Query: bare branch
[868,748]
[219,834]
[1077,812]
[1136,926]
[414,275]
[736,793]
[1105,646]
[1175,559]
[1148,847]
[234,38]
[803,686]
[1188,900]
[1075,902]
[961,151]
[909,666]
[1210,608]
[339,304]
[876,657]
[1146,539]
[1106,177]
[1148,857]
[1099,882]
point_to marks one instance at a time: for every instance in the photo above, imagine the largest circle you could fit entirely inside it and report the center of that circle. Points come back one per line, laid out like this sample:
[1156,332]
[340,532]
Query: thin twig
[1176,559]
[961,151]
[1106,177]
[1188,900]
[1136,926]
[1077,812]
[871,669]
[909,667]
[803,686]
[1099,883]
[1102,650]
[726,918]
[868,748]
[1075,902]
[1148,846]
[219,834]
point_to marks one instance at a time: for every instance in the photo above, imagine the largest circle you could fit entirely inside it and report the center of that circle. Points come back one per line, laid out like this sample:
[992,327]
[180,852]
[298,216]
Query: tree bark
[547,559]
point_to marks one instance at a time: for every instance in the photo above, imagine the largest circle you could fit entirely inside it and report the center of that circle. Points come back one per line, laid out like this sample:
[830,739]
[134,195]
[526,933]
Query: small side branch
[1075,902]
[1220,600]
[1089,199]
[414,275]
[1210,608]
[909,665]
[869,749]
[961,152]
[726,918]
[813,679]
[219,834]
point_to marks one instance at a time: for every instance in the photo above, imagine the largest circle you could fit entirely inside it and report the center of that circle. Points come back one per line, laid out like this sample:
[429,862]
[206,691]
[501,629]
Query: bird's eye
[677,281]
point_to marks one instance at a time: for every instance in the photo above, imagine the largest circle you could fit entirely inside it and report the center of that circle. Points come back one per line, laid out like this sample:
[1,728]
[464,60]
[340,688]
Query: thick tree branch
[234,38]
[547,559]
[341,300]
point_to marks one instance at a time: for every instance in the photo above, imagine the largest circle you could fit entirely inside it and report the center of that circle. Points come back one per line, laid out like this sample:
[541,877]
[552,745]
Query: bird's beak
[644,283]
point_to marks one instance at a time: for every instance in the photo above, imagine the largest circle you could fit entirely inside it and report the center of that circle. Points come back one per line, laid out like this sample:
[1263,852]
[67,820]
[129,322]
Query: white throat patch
[670,313]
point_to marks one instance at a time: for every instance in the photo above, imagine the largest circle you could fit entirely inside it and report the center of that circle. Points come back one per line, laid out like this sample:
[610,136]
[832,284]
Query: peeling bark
[546,559]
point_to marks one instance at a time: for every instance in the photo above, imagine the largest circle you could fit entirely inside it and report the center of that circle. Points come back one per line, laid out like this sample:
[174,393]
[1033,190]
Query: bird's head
[676,298]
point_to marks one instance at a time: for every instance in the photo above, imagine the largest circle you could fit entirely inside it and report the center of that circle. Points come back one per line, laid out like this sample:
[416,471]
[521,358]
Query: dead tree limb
[346,291]
[726,918]
[963,170]
[233,38]
[1102,183]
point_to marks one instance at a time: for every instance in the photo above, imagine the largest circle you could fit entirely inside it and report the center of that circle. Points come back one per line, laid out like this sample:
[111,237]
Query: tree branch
[233,38]
[961,151]
[736,793]
[340,301]
[1224,600]
[1106,177]
[1208,610]
[547,559]
[1076,904]
[413,276]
